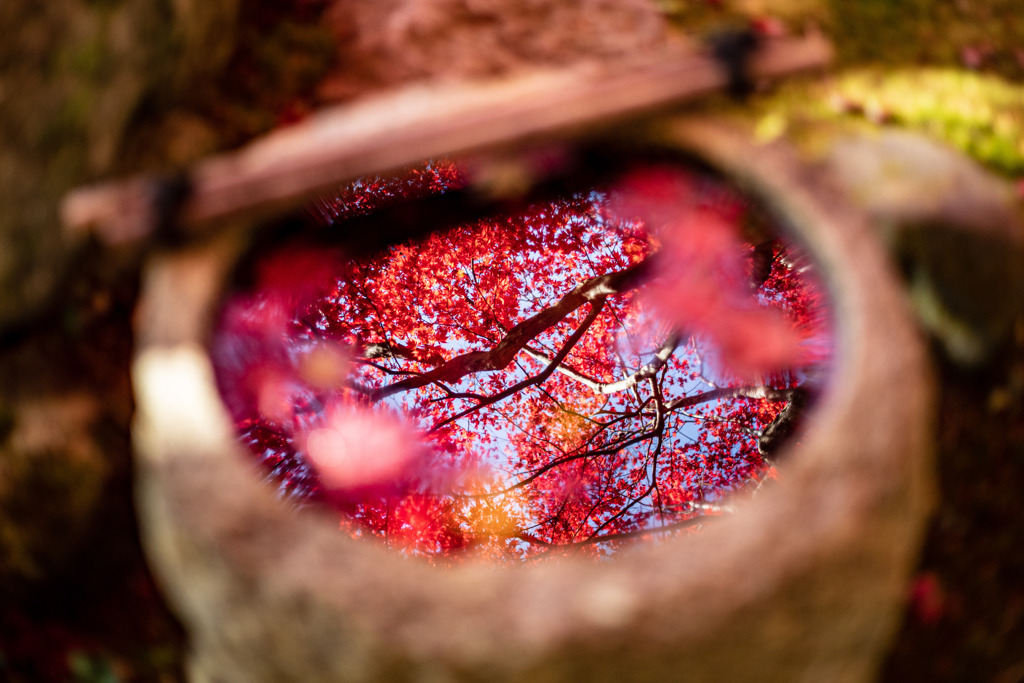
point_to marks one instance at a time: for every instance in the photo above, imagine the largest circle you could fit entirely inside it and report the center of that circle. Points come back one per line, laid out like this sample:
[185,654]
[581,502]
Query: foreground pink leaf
[363,452]
[701,283]
[566,376]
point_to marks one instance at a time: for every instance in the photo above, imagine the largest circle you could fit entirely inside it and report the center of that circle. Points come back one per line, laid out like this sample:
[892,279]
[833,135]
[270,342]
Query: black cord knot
[733,48]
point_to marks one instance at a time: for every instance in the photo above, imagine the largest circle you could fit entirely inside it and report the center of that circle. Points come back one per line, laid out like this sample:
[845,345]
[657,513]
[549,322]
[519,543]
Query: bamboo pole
[285,167]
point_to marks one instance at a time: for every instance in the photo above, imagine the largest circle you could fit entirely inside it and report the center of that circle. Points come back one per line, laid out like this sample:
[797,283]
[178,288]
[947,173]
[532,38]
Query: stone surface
[806,581]
[954,228]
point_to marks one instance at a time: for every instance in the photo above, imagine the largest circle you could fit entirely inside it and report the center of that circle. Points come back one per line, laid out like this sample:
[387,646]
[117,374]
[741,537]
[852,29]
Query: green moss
[981,115]
[976,34]
[874,30]
[936,32]
[694,18]
[892,32]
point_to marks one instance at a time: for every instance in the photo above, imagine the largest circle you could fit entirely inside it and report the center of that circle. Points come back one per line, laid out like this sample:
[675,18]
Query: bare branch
[648,370]
[635,533]
[615,448]
[497,358]
[596,307]
[759,392]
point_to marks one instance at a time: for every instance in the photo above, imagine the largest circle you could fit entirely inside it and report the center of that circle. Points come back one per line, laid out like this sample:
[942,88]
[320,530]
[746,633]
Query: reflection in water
[573,374]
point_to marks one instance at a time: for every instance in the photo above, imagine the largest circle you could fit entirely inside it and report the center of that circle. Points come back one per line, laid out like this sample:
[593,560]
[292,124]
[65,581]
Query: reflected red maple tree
[568,376]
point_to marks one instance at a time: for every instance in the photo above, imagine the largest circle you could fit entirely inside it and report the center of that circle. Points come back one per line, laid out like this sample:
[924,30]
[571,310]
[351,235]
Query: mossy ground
[982,115]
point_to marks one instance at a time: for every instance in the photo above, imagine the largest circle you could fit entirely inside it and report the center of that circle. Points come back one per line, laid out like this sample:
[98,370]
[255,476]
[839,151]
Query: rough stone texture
[805,582]
[382,44]
[955,229]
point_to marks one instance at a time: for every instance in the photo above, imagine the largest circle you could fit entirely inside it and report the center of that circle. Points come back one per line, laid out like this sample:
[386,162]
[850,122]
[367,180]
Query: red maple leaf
[572,374]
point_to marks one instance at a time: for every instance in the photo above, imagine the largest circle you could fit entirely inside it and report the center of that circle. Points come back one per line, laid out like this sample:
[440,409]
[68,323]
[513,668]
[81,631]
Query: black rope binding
[733,48]
[168,194]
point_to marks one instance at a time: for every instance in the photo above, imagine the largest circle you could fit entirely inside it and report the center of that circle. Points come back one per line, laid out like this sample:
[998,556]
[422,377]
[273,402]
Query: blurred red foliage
[571,375]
